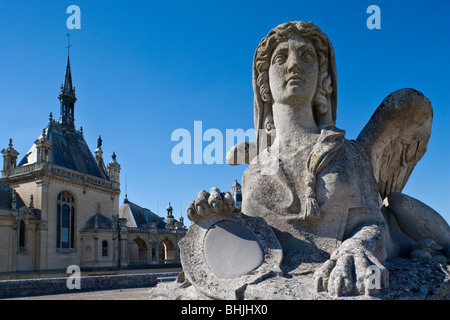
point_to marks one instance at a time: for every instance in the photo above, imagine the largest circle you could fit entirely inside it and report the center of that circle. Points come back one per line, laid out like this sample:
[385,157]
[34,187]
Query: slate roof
[5,197]
[138,217]
[69,150]
[99,220]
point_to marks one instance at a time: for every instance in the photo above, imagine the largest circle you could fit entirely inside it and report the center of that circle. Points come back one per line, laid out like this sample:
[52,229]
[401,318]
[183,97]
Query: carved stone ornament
[249,252]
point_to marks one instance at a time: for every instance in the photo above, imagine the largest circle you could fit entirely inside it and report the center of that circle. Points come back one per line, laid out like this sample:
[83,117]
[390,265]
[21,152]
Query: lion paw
[210,204]
[351,273]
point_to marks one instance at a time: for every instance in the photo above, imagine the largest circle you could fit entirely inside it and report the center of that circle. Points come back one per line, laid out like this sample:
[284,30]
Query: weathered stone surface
[428,225]
[239,254]
[209,265]
[410,279]
[417,279]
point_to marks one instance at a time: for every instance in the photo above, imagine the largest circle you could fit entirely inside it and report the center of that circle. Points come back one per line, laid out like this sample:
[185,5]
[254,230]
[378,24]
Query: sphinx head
[300,59]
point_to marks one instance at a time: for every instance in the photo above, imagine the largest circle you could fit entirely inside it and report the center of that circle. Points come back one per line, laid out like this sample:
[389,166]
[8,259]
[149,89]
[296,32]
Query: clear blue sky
[143,69]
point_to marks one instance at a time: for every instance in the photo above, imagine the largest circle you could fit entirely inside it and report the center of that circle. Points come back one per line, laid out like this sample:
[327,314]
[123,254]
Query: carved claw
[208,204]
[356,272]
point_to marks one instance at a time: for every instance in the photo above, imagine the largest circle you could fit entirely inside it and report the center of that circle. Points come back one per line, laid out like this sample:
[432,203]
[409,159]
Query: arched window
[167,251]
[104,248]
[65,221]
[22,234]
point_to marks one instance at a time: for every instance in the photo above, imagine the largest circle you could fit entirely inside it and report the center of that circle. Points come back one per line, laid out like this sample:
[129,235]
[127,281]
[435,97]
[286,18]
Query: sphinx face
[293,72]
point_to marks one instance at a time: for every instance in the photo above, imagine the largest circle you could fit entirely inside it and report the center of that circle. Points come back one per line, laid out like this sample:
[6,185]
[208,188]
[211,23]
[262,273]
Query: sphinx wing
[396,138]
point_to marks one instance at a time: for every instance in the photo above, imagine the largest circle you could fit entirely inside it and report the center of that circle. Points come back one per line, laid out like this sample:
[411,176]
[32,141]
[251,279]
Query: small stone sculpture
[310,196]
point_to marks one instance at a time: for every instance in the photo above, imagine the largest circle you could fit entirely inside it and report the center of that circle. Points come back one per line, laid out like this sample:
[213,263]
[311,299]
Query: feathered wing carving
[396,138]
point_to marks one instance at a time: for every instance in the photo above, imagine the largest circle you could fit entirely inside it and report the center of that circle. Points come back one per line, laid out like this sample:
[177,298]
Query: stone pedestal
[409,279]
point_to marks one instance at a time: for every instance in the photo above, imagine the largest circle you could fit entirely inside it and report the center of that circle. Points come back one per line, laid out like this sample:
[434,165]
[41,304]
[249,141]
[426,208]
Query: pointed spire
[67,88]
[68,45]
[67,96]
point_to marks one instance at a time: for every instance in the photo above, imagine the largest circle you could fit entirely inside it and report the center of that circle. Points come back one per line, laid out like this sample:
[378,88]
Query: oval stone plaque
[231,250]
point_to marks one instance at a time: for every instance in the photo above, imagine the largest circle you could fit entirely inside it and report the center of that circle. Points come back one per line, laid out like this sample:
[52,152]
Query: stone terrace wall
[46,286]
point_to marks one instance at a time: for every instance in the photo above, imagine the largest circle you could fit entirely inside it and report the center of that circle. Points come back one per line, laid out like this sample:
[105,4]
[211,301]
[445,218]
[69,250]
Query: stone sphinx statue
[310,196]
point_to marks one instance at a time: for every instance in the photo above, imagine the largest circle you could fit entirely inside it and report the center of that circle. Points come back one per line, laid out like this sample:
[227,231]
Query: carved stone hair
[324,100]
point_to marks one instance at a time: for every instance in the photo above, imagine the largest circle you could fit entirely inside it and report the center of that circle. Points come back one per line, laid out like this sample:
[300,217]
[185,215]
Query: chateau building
[59,206]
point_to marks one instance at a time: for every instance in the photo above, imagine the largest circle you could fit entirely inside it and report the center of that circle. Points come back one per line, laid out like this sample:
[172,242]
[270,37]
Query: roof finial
[169,211]
[31,206]
[126,191]
[126,187]
[68,45]
[13,199]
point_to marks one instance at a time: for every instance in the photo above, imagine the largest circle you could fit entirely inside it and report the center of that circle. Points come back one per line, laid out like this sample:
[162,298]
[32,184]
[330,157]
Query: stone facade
[70,214]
